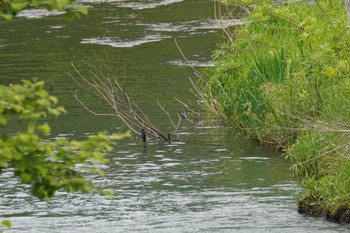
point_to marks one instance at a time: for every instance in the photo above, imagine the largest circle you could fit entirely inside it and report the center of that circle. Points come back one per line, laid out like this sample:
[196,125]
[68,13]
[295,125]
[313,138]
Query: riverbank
[284,80]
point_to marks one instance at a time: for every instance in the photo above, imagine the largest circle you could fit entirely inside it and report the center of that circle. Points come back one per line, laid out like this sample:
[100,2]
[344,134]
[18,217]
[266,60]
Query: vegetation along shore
[284,79]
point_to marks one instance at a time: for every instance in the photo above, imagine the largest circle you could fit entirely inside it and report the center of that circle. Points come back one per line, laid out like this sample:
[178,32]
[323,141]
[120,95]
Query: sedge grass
[284,80]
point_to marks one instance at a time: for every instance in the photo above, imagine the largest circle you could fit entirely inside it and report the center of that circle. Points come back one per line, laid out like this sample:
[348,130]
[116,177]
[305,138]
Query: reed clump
[284,79]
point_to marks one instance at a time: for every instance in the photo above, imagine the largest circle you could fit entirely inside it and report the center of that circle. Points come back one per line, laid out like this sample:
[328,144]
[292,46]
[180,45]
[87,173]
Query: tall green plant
[273,69]
[285,80]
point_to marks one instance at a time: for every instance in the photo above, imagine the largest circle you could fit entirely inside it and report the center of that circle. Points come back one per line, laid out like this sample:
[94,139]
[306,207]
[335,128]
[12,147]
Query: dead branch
[163,109]
[112,93]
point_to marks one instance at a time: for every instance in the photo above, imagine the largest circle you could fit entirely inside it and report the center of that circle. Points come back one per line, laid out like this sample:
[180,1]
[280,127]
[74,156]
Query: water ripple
[117,42]
[135,5]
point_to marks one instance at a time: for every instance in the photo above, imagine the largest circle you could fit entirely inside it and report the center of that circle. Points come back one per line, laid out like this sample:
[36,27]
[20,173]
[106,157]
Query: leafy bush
[46,165]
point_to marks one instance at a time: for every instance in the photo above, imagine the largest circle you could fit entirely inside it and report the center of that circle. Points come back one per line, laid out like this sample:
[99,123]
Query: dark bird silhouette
[143,135]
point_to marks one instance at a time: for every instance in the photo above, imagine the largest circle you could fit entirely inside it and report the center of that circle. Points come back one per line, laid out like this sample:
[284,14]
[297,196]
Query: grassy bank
[285,80]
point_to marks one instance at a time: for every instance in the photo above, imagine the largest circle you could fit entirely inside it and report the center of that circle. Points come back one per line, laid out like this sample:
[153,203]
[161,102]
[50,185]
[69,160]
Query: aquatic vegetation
[283,79]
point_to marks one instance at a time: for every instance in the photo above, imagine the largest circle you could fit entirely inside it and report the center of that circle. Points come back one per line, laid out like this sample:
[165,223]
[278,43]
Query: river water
[208,180]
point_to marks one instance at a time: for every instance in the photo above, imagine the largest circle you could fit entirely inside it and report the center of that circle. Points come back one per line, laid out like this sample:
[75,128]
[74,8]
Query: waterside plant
[283,78]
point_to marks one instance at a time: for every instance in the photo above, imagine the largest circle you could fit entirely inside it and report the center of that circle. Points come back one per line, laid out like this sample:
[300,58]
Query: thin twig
[163,109]
[188,62]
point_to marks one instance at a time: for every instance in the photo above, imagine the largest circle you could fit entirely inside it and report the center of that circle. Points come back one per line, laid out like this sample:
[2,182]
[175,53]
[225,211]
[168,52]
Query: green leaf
[107,192]
[26,177]
[41,93]
[17,155]
[3,163]
[37,3]
[53,99]
[70,16]
[6,223]
[25,138]
[31,127]
[119,136]
[53,181]
[18,6]
[6,16]
[61,4]
[82,10]
[3,120]
[45,128]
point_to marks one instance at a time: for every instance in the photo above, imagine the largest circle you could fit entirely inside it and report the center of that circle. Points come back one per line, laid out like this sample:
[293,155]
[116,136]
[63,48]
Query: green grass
[285,80]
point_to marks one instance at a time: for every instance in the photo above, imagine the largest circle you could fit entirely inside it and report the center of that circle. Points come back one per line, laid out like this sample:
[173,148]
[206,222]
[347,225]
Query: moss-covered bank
[285,80]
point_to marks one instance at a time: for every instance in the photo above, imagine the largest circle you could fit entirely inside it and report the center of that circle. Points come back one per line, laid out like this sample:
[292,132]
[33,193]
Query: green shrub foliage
[47,165]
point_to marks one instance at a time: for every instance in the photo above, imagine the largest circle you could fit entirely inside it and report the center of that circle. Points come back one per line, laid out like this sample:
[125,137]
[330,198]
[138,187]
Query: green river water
[208,180]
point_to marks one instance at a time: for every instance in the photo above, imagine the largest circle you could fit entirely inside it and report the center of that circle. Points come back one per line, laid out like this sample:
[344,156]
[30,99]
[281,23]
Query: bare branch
[163,109]
[89,110]
[111,92]
[188,62]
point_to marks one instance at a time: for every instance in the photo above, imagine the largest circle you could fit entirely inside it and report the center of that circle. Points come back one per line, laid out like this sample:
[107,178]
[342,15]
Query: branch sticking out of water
[112,93]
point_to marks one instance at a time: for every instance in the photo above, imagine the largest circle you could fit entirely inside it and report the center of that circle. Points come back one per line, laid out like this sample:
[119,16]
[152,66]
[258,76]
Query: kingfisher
[182,116]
